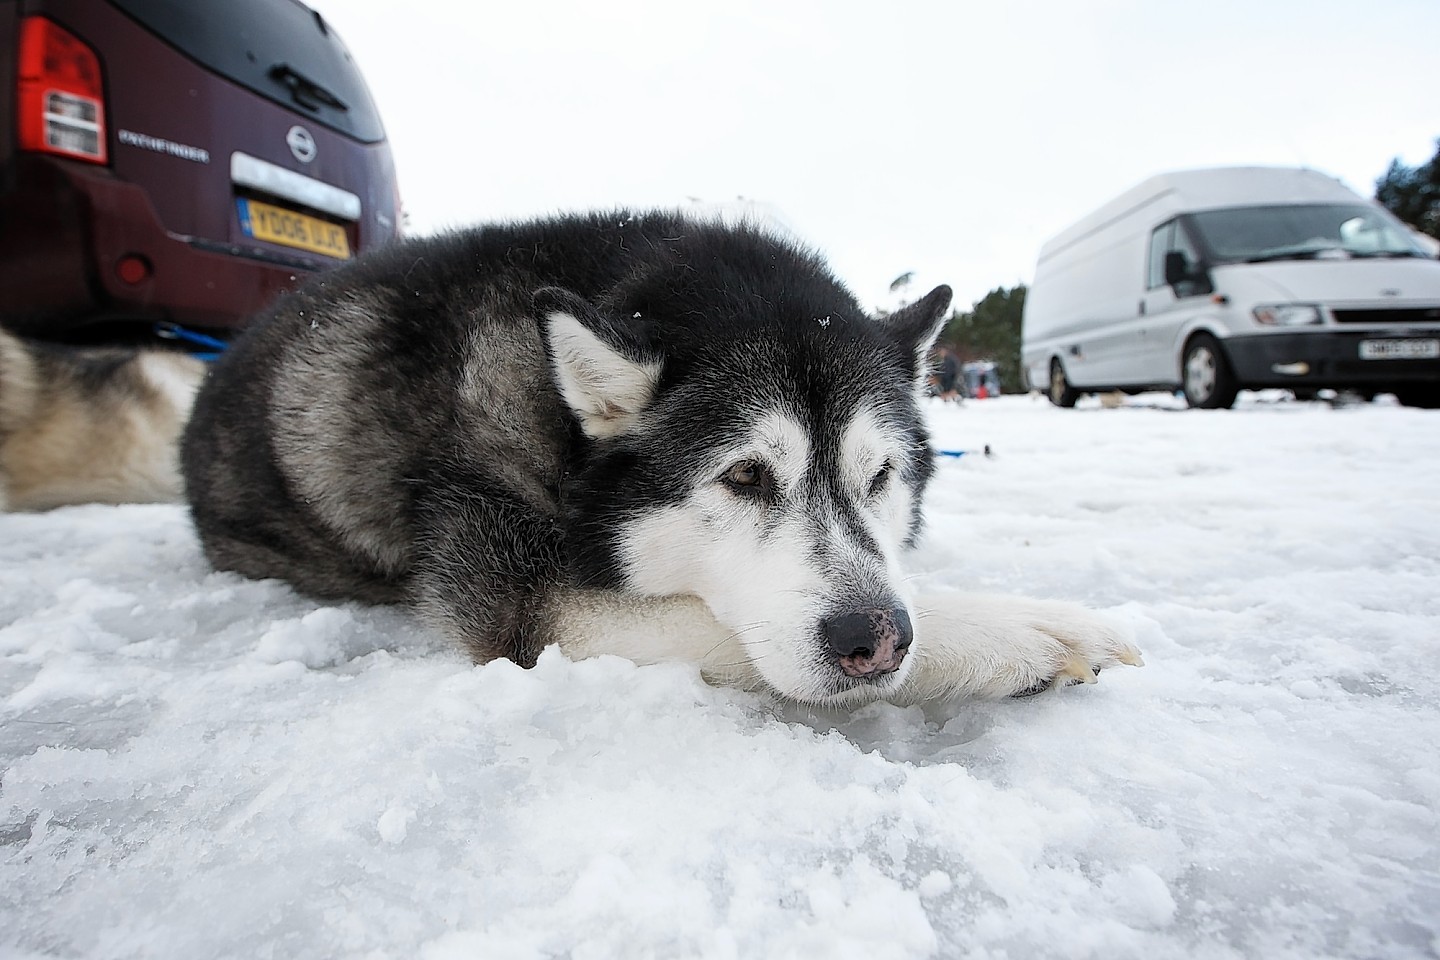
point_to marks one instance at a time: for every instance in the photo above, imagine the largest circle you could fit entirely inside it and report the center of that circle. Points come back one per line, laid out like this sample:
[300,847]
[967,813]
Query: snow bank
[195,765]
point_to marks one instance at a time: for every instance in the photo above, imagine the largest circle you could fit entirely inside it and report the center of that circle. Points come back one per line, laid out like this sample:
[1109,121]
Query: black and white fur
[631,434]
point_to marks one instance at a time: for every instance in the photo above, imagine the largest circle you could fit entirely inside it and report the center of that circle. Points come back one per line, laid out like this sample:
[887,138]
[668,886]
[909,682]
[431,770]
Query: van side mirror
[1177,268]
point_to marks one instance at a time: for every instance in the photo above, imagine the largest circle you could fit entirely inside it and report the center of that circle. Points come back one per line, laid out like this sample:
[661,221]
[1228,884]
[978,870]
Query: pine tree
[1413,193]
[990,330]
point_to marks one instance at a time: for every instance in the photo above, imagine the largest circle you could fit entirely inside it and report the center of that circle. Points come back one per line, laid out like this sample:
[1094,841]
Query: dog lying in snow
[639,435]
[91,425]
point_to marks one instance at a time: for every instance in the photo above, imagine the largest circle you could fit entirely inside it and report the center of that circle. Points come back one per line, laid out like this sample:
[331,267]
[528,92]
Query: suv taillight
[61,95]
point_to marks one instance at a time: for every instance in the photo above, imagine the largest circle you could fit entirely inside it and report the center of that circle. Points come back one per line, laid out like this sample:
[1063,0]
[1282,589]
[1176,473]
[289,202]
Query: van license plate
[1400,349]
[288,228]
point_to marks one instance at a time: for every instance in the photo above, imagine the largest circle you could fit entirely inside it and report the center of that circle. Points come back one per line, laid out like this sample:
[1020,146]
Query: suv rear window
[280,49]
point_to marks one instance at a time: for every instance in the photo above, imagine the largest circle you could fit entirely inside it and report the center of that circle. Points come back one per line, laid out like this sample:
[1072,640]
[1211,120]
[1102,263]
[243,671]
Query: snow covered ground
[199,766]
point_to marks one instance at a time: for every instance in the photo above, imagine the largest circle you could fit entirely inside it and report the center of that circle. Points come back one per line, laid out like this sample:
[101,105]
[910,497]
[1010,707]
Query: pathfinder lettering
[147,142]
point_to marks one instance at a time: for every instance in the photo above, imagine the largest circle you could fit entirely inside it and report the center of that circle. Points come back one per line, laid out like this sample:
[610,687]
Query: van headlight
[1287,314]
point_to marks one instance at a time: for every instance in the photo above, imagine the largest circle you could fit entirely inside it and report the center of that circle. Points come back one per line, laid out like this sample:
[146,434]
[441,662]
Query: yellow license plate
[288,228]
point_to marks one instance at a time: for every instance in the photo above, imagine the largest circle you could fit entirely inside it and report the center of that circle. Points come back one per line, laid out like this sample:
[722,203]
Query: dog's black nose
[870,641]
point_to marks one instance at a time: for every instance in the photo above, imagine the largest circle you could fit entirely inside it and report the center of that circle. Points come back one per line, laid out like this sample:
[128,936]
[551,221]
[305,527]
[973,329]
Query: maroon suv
[172,160]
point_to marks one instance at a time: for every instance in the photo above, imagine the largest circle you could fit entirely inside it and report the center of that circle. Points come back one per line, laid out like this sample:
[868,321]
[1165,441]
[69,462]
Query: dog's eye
[750,477]
[881,479]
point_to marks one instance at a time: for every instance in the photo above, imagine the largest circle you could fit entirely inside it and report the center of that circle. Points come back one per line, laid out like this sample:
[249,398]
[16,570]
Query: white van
[1245,277]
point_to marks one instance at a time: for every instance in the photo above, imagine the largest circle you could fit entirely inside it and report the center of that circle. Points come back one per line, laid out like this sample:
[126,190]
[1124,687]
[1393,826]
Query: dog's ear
[918,325]
[604,374]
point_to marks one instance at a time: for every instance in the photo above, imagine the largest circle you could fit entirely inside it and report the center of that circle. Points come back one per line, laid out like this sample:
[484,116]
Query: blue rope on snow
[960,453]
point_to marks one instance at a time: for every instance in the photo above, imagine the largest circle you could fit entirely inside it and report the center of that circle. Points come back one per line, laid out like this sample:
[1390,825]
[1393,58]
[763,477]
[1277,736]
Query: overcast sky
[945,138]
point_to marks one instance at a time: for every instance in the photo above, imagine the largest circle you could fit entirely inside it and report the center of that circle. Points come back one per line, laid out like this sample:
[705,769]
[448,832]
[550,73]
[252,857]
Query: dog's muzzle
[869,641]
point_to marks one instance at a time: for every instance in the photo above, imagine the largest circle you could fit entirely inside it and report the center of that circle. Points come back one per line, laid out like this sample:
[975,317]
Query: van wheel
[1061,393]
[1206,376]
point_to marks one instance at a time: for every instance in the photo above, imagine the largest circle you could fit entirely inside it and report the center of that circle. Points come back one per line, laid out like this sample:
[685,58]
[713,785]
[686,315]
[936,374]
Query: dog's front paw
[1080,643]
[995,646]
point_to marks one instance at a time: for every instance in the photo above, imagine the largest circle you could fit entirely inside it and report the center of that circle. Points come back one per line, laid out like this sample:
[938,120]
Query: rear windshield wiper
[303,90]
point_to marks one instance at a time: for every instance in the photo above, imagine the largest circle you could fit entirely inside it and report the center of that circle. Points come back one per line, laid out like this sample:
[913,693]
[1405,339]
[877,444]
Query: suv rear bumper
[1327,358]
[64,226]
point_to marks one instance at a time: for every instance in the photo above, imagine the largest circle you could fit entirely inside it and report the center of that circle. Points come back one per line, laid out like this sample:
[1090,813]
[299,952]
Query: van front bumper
[1324,358]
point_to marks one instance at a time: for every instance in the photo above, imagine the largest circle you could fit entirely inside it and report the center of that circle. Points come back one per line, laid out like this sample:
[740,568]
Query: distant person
[946,378]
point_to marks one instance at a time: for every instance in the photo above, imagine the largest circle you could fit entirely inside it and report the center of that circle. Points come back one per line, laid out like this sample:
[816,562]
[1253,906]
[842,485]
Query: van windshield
[1301,232]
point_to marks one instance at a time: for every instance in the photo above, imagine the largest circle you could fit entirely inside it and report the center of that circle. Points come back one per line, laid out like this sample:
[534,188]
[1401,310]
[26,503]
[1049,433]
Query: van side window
[1160,241]
[1171,237]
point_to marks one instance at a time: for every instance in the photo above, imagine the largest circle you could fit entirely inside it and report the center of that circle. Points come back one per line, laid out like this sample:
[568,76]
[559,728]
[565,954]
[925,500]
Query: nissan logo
[301,144]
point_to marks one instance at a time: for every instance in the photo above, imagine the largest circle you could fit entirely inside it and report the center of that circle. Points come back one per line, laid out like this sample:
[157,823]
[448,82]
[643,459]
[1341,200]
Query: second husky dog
[631,434]
[91,424]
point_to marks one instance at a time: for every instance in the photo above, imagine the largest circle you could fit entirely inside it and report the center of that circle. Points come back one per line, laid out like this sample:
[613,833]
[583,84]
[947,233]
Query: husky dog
[631,434]
[82,425]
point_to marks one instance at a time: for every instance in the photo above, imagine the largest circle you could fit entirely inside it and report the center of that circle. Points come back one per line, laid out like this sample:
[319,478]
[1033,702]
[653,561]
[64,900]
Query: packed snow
[196,765]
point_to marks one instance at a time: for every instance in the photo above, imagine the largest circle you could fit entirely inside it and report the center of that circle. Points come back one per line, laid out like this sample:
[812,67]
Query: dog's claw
[1130,657]
[1078,670]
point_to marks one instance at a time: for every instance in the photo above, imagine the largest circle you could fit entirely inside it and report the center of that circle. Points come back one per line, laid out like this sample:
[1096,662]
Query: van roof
[1185,191]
